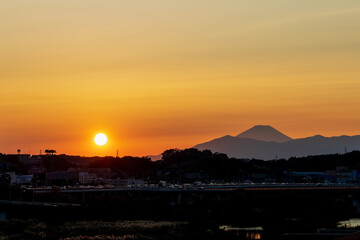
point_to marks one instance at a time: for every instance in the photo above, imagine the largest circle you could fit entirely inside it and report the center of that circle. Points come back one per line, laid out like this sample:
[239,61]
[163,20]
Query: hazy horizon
[113,154]
[155,75]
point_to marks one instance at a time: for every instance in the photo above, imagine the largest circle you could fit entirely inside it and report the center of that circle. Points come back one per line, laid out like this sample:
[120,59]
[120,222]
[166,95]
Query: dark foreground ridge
[196,191]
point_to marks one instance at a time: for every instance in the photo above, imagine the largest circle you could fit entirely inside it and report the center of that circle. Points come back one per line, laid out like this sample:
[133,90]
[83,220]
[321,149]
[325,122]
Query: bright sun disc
[100,139]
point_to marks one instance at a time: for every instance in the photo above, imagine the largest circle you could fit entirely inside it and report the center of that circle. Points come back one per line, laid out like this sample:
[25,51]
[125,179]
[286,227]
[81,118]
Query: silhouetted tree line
[219,166]
[319,163]
[56,162]
[175,163]
[131,166]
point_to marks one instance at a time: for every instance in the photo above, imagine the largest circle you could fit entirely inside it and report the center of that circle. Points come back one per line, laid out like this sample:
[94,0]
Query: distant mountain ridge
[261,145]
[264,133]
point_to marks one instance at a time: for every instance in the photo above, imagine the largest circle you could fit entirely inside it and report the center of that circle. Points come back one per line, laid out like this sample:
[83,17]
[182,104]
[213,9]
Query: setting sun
[100,139]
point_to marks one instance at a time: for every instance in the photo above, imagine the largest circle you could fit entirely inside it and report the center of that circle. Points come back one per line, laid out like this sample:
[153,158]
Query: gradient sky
[159,74]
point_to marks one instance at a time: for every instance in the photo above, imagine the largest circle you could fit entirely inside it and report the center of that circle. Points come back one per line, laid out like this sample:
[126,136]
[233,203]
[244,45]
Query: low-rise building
[87,178]
[342,175]
[61,178]
[23,179]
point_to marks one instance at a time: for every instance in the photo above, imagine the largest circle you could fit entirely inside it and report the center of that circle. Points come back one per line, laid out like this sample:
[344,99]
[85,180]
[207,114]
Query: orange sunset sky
[154,75]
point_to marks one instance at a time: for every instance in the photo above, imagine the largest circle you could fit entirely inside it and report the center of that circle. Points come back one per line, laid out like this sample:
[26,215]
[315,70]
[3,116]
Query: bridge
[183,194]
[203,188]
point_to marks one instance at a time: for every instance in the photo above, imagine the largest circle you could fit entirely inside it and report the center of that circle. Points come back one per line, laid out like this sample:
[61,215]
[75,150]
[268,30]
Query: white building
[23,179]
[86,178]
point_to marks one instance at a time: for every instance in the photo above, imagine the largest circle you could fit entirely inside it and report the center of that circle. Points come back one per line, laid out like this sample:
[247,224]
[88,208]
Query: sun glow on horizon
[100,139]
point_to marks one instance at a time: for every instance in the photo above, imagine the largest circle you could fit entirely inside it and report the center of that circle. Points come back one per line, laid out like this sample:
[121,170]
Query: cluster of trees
[320,163]
[175,162]
[138,167]
[219,166]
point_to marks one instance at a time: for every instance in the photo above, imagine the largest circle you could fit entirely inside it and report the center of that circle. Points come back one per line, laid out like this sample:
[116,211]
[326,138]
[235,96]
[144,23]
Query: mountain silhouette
[240,147]
[264,133]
